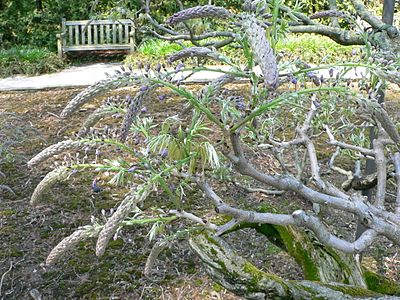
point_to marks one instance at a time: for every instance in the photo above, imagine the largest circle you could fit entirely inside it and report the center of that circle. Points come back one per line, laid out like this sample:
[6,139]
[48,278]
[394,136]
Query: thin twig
[192,217]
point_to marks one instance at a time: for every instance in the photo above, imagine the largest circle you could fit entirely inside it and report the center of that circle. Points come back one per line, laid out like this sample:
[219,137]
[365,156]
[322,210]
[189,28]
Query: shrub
[28,61]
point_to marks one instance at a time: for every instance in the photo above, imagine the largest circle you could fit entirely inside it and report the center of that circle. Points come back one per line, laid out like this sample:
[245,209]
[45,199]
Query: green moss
[7,212]
[255,275]
[218,288]
[73,202]
[352,290]
[273,235]
[191,267]
[220,219]
[198,282]
[57,225]
[7,230]
[82,268]
[285,238]
[85,288]
[258,276]
[14,252]
[380,284]
[298,250]
[44,234]
[211,240]
[115,244]
[344,266]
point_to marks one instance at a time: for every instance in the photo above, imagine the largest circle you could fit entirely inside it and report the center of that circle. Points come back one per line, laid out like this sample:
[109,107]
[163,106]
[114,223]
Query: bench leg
[59,47]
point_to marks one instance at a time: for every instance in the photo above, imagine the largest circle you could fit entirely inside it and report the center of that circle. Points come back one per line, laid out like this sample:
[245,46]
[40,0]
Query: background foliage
[35,23]
[29,61]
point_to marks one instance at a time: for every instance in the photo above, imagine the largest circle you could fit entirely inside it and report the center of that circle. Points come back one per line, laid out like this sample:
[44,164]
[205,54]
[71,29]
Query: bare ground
[28,234]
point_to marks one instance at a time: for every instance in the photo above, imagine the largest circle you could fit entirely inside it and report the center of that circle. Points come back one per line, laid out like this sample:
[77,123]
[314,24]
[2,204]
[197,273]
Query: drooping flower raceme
[262,51]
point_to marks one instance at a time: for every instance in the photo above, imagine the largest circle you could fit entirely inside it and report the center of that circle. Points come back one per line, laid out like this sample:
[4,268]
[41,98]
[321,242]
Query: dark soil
[28,234]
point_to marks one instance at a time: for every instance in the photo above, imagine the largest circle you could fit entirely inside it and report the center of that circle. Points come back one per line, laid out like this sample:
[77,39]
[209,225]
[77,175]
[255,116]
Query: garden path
[78,76]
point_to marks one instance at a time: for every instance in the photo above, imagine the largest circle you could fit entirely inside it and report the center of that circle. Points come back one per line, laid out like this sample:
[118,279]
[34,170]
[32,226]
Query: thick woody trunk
[244,279]
[318,262]
[329,274]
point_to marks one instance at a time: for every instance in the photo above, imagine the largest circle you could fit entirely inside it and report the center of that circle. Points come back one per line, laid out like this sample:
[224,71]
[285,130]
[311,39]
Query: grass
[310,48]
[152,51]
[28,61]
[315,49]
[158,48]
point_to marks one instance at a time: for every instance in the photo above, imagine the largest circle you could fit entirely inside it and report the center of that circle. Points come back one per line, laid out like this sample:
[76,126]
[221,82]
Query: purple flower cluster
[163,153]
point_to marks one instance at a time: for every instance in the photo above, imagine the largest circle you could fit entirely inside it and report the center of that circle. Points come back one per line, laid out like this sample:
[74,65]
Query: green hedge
[28,61]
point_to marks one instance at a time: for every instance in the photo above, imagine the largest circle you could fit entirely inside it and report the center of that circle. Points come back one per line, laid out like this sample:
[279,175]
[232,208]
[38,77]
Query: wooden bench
[92,35]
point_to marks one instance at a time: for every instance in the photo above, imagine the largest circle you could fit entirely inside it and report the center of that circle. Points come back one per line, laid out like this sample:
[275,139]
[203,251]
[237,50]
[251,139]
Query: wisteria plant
[284,115]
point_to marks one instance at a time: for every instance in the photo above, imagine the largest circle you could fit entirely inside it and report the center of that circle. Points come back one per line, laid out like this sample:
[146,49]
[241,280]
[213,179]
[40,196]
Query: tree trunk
[334,275]
[318,262]
[244,279]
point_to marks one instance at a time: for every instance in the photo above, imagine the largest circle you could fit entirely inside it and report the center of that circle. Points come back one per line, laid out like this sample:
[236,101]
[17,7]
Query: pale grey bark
[244,279]
[396,162]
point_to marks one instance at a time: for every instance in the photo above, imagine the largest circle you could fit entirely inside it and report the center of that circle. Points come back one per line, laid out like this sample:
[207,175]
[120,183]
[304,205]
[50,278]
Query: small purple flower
[162,97]
[172,187]
[316,81]
[240,105]
[293,80]
[144,109]
[179,67]
[131,169]
[158,68]
[128,99]
[143,88]
[95,187]
[316,104]
[331,72]
[353,52]
[311,74]
[164,153]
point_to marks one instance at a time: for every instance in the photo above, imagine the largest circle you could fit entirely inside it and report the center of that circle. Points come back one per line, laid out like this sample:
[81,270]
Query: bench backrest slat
[89,35]
[76,35]
[121,41]
[114,33]
[108,34]
[95,36]
[71,35]
[101,34]
[126,33]
[83,34]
